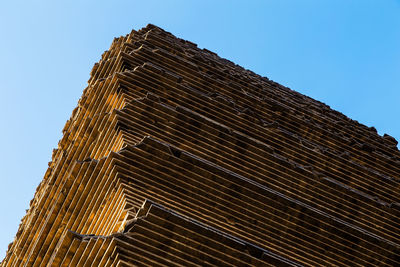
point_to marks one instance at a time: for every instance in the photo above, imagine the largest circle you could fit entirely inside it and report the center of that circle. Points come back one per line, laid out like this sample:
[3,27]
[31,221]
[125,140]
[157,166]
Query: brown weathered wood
[177,157]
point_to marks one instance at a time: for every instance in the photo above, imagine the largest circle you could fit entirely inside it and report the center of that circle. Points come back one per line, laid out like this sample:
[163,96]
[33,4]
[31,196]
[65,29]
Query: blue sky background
[345,53]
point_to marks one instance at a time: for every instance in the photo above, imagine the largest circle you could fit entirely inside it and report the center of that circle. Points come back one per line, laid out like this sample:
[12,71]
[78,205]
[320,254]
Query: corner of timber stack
[177,157]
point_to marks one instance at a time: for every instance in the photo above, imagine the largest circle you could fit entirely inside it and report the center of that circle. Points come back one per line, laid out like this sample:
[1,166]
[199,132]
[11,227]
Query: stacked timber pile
[175,156]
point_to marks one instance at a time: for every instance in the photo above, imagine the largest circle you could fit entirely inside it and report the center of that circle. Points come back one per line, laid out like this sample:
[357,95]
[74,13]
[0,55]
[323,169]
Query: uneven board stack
[175,156]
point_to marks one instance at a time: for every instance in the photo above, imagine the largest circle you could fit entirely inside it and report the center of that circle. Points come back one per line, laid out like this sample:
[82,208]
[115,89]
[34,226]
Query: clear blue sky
[345,53]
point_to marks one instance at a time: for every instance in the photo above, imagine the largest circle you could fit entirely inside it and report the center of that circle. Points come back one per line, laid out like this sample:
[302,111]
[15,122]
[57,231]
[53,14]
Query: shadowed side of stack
[176,156]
